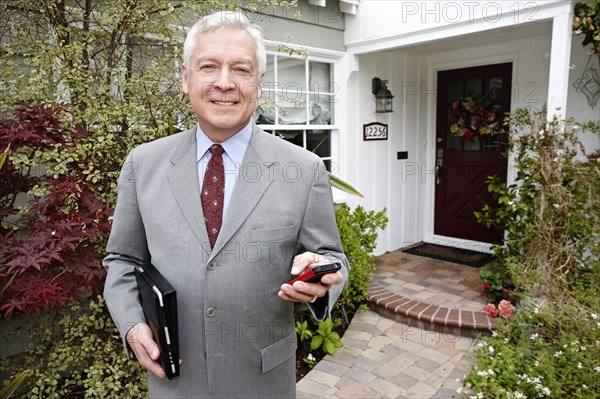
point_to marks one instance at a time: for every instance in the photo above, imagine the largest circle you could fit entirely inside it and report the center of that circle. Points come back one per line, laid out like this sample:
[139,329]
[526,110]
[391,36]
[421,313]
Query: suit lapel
[254,178]
[183,178]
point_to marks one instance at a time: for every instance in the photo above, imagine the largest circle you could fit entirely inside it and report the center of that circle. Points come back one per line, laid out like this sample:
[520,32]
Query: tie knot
[216,149]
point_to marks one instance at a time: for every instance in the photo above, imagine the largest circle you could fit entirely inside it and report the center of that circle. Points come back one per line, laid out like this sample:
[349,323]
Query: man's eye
[242,71]
[208,68]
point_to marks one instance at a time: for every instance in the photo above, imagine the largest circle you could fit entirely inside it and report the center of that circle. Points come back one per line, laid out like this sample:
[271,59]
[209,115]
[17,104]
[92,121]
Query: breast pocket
[273,235]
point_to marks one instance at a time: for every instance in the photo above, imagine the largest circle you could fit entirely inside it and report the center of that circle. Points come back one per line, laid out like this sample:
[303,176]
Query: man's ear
[184,79]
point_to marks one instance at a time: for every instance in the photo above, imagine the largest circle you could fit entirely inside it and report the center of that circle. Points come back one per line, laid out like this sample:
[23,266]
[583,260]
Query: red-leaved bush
[50,252]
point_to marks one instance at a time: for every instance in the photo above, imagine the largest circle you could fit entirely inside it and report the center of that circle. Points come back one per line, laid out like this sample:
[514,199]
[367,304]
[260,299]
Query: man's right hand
[139,338]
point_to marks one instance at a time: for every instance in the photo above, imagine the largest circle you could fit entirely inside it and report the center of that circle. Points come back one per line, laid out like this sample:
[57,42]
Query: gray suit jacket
[237,337]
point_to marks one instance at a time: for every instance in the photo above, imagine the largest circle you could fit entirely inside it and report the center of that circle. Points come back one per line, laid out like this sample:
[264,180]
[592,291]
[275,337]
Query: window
[299,103]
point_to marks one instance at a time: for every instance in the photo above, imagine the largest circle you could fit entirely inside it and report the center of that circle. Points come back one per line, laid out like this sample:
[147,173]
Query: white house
[515,53]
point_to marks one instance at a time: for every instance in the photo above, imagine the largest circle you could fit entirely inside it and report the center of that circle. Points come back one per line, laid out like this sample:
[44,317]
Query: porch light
[383,96]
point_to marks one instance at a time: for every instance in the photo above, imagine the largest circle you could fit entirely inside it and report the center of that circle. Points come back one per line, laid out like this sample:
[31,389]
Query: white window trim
[335,59]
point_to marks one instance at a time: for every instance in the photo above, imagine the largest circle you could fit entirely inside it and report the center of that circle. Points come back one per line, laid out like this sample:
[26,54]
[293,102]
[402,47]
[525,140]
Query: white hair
[220,19]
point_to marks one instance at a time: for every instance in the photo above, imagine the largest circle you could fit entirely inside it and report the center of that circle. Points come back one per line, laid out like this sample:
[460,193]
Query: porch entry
[463,164]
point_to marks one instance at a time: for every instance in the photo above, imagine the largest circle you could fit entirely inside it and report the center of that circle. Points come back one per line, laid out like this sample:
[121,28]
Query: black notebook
[159,301]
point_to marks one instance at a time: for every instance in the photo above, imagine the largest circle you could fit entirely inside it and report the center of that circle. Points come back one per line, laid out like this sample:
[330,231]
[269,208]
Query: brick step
[465,323]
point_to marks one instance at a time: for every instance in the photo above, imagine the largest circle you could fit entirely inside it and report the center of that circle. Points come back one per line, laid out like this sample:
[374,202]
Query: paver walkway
[383,358]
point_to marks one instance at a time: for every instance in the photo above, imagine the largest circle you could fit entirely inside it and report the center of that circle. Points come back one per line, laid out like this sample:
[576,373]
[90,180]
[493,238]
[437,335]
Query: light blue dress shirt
[235,149]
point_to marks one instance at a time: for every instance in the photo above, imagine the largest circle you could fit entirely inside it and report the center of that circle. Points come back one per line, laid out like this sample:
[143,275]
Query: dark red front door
[463,166]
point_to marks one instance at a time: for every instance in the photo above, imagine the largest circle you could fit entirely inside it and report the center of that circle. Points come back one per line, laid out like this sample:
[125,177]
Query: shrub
[49,248]
[77,353]
[526,357]
[550,349]
[358,232]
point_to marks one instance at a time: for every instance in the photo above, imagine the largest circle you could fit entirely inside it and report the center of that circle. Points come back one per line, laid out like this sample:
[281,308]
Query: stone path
[382,358]
[394,357]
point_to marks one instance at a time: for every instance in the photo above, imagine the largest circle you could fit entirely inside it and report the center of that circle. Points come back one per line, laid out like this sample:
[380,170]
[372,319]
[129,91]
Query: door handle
[438,180]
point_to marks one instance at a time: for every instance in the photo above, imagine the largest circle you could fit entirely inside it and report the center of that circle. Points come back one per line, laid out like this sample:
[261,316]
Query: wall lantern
[383,96]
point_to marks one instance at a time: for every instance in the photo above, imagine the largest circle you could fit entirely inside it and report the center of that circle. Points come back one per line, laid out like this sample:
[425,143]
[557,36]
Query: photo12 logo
[425,12]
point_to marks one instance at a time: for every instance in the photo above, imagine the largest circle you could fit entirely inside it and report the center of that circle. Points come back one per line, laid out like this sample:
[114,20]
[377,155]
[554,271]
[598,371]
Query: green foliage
[303,330]
[114,64]
[495,278]
[526,357]
[358,232]
[551,215]
[551,212]
[326,338]
[586,21]
[77,353]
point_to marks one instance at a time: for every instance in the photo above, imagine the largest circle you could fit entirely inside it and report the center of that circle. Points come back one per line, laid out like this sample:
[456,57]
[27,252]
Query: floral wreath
[472,118]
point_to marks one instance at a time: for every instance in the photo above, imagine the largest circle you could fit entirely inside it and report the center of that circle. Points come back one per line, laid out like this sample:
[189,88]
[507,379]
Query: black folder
[159,302]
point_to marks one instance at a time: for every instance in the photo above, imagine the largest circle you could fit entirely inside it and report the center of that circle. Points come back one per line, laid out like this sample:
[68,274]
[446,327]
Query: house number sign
[375,131]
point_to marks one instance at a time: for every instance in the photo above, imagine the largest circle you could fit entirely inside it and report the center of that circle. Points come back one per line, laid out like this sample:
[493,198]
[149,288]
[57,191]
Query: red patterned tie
[213,193]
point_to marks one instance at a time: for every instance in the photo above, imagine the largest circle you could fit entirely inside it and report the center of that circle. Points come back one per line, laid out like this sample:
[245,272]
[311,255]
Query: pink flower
[491,310]
[505,309]
[465,133]
[491,117]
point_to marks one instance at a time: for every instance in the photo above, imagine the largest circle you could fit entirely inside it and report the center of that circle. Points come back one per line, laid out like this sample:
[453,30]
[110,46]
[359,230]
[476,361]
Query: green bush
[77,353]
[551,216]
[526,357]
[358,232]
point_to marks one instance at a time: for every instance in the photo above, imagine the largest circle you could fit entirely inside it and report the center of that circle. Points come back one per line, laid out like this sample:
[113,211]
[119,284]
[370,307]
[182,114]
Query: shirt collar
[235,146]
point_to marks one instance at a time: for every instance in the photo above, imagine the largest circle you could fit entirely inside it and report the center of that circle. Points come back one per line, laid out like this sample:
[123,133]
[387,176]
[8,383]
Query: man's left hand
[308,292]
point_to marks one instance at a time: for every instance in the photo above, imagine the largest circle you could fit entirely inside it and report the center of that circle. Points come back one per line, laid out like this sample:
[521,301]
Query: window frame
[311,54]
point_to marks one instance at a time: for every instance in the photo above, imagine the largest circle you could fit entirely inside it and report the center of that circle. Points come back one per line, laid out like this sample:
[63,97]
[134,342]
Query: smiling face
[222,81]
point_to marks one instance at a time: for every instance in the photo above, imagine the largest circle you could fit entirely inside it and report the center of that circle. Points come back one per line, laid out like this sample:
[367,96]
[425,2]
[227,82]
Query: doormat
[450,254]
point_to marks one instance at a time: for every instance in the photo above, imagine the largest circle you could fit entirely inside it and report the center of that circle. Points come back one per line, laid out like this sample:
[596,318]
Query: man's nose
[225,80]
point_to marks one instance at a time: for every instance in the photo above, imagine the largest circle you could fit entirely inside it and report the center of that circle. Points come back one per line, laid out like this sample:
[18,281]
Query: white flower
[459,390]
[579,365]
[534,336]
[597,369]
[541,133]
[556,206]
[594,316]
[584,386]
[558,353]
[491,349]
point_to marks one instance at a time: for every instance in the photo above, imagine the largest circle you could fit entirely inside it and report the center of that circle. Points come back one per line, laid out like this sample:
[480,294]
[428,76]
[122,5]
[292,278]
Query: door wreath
[473,118]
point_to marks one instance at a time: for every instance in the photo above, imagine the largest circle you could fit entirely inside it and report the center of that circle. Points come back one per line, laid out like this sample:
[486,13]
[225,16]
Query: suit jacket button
[210,312]
[211,266]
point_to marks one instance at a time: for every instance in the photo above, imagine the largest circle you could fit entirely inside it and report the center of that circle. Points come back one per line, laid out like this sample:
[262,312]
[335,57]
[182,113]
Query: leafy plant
[551,215]
[586,21]
[48,247]
[303,331]
[358,232]
[496,281]
[77,353]
[326,338]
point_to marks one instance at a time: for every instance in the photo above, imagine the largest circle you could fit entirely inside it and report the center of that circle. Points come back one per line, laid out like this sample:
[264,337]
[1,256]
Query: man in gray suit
[229,264]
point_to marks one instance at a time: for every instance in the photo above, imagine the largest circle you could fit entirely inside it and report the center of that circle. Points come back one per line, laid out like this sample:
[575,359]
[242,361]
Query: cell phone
[314,275]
